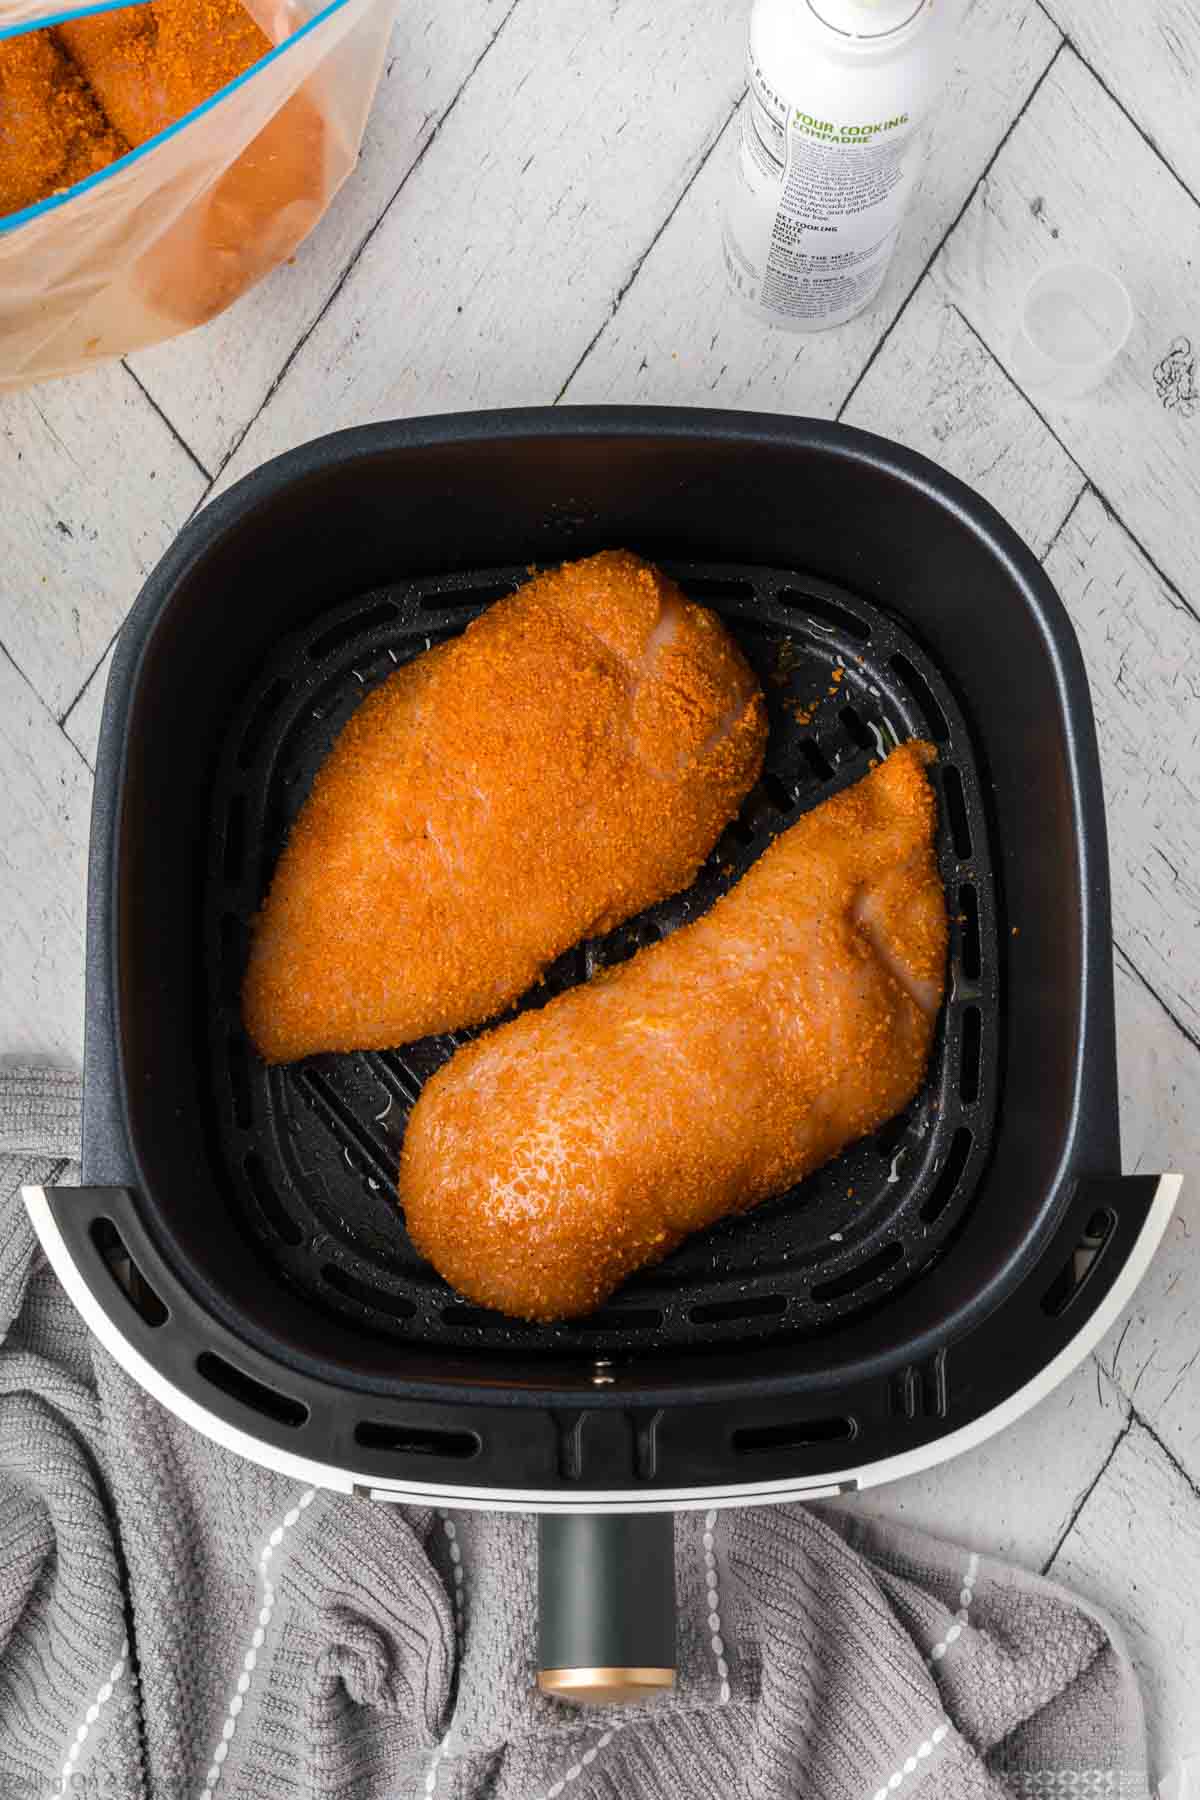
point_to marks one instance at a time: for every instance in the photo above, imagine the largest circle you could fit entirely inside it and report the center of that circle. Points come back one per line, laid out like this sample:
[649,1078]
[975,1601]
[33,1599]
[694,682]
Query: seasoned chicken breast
[149,66]
[555,1155]
[570,759]
[52,132]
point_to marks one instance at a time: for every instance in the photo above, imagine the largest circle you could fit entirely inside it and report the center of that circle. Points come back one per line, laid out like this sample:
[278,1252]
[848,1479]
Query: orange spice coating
[52,132]
[567,761]
[555,1155]
[152,64]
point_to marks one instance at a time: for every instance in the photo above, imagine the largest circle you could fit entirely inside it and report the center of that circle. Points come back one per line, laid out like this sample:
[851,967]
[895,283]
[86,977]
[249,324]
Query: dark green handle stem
[606,1602]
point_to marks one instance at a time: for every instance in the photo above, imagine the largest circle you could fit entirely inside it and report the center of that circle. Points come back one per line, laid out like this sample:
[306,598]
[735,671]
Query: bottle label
[817,205]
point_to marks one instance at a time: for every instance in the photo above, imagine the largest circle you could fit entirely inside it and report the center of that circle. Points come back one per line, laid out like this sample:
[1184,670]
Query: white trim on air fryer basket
[629,1500]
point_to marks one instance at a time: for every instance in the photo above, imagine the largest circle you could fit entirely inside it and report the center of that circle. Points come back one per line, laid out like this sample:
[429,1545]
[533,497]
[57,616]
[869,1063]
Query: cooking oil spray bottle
[831,139]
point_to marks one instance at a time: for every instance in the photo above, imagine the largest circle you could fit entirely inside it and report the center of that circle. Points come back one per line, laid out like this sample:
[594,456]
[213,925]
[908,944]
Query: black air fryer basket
[238,1245]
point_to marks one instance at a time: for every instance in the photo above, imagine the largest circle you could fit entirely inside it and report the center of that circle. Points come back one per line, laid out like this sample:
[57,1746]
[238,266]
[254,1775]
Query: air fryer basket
[236,1243]
[308,1153]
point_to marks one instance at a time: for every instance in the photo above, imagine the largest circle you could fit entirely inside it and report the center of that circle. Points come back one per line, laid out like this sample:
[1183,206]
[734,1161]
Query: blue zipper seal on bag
[14,221]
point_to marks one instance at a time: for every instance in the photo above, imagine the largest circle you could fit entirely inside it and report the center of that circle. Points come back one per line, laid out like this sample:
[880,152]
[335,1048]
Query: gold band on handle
[605,1687]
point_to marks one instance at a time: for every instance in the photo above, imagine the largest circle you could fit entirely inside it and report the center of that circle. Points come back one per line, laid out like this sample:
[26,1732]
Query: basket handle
[606,1606]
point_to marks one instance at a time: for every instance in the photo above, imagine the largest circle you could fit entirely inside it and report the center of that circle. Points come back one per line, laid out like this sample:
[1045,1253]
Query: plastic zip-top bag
[180,224]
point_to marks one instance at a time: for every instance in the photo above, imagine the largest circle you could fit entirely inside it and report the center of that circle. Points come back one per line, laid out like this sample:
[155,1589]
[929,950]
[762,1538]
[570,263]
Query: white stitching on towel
[1080,1784]
[589,1756]
[257,1639]
[451,1531]
[712,1583]
[93,1713]
[460,1620]
[964,1607]
[911,1764]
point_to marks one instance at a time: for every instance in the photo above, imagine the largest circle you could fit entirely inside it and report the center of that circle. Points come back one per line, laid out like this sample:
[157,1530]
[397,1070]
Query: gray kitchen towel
[176,1624]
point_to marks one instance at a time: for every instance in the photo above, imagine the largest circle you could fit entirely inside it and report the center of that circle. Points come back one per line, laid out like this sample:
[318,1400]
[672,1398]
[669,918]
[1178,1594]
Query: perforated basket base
[308,1153]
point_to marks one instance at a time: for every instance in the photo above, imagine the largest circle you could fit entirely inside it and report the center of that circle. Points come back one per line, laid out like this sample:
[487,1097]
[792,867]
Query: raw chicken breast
[555,1155]
[570,759]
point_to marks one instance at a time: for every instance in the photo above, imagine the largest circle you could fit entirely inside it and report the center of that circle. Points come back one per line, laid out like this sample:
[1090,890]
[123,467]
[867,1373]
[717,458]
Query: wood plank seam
[1138,1418]
[1132,968]
[1084,490]
[170,425]
[934,389]
[1092,1485]
[9,658]
[1089,485]
[1173,588]
[1030,97]
[201,502]
[1163,158]
[350,266]
[210,482]
[62,722]
[637,267]
[1133,1555]
[1123,957]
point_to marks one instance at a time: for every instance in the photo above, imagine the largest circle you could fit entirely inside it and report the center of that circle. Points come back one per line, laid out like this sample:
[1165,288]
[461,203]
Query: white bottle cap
[1075,321]
[868,18]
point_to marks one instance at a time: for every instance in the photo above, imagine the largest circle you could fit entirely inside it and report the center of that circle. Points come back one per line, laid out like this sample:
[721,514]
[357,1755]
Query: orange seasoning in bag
[151,64]
[75,96]
[52,132]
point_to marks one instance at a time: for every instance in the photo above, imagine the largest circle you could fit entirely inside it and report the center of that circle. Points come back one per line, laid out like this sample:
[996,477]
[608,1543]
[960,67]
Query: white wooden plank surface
[1149,54]
[214,380]
[1016,1496]
[677,339]
[1142,648]
[1076,182]
[43,847]
[528,230]
[94,489]
[1135,1551]
[574,175]
[1153,1352]
[936,388]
